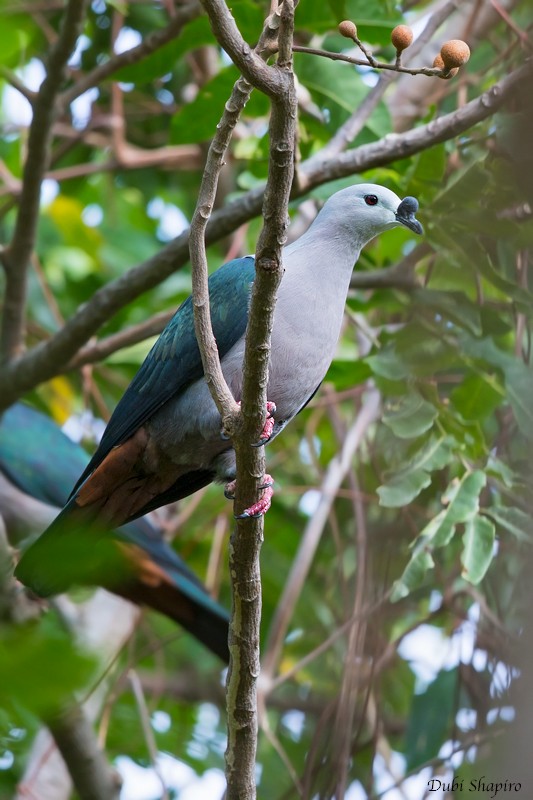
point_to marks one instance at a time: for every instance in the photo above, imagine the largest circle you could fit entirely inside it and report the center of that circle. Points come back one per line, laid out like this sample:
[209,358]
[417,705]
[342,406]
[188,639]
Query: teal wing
[174,361]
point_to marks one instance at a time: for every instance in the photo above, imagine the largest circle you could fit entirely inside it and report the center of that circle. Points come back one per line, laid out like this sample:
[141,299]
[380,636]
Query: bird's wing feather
[174,361]
[157,576]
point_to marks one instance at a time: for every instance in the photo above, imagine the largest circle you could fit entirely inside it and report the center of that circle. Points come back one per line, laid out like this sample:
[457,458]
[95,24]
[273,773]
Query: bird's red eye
[371,200]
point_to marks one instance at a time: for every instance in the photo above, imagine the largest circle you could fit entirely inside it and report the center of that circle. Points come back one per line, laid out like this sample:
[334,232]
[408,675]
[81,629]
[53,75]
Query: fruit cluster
[453,53]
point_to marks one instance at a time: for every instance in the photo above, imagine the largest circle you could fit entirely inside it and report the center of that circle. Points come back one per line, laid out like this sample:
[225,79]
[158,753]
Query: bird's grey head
[368,209]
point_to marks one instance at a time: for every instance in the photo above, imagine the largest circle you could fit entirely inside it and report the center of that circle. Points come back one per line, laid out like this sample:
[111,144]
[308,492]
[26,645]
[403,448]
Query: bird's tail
[134,562]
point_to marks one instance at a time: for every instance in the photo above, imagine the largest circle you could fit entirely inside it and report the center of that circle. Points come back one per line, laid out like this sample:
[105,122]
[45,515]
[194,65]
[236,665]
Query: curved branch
[218,387]
[401,145]
[243,56]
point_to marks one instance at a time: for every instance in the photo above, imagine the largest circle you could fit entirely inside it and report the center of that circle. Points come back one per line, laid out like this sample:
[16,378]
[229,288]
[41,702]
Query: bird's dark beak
[405,214]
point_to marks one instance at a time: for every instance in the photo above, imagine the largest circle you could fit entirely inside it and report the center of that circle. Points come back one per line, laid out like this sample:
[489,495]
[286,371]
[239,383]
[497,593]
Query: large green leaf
[337,92]
[476,397]
[410,416]
[454,306]
[413,575]
[478,551]
[513,520]
[431,719]
[462,496]
[402,489]
[518,378]
[411,477]
[317,15]
[40,667]
[16,33]
[388,365]
[461,501]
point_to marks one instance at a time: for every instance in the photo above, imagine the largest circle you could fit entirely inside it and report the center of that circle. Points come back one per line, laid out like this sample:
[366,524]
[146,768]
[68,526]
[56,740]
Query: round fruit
[401,37]
[454,53]
[348,29]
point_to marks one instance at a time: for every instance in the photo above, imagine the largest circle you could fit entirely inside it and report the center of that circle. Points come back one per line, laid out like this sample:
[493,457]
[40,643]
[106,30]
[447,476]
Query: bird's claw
[263,504]
[268,427]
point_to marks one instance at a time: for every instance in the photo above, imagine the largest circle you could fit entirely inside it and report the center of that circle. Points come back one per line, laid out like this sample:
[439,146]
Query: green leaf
[374,22]
[386,364]
[408,481]
[462,504]
[428,172]
[518,378]
[346,374]
[478,552]
[316,15]
[431,719]
[410,416]
[476,398]
[401,490]
[413,575]
[336,91]
[513,520]
[498,469]
[519,385]
[40,667]
[435,453]
[462,497]
[16,34]
[437,533]
[423,350]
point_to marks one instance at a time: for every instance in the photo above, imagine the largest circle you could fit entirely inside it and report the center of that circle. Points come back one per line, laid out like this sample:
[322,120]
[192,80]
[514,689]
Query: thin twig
[13,79]
[283,677]
[431,72]
[354,124]
[277,82]
[148,732]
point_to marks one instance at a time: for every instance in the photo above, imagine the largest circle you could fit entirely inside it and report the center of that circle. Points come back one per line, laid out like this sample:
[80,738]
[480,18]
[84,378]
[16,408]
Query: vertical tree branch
[278,83]
[16,257]
[247,538]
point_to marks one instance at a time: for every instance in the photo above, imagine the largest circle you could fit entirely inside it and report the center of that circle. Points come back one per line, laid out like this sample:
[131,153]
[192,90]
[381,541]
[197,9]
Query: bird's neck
[321,262]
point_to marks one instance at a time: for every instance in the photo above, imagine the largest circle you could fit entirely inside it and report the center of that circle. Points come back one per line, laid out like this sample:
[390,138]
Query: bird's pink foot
[268,427]
[262,505]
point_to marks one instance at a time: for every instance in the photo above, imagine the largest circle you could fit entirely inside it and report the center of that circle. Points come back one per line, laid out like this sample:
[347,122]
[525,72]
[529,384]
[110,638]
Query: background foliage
[423,542]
